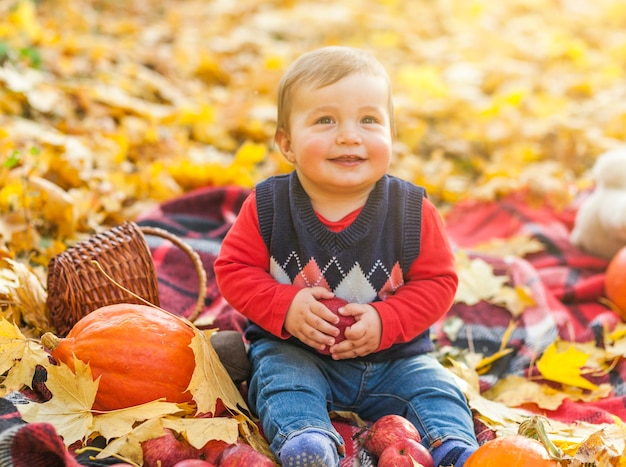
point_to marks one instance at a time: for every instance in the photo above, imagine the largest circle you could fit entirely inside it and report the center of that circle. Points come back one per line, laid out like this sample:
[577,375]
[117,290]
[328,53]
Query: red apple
[212,449]
[241,454]
[387,430]
[193,463]
[405,453]
[167,450]
[333,304]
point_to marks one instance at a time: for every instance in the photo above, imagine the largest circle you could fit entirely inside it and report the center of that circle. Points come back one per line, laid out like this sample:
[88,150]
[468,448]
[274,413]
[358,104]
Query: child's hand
[310,321]
[363,337]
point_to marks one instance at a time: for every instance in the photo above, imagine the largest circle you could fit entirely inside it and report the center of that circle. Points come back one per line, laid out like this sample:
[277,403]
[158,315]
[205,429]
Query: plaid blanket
[565,283]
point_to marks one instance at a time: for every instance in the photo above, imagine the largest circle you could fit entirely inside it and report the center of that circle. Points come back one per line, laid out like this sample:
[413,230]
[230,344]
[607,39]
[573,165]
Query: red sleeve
[242,273]
[430,286]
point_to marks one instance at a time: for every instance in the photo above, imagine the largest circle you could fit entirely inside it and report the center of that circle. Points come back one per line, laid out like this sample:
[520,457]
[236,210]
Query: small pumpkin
[615,281]
[141,354]
[512,450]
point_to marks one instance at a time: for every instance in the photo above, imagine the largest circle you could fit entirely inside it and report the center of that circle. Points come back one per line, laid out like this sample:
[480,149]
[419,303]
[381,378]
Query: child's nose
[348,135]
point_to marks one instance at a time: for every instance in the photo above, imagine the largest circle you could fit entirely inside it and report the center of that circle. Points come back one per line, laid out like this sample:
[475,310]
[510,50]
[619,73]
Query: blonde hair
[322,67]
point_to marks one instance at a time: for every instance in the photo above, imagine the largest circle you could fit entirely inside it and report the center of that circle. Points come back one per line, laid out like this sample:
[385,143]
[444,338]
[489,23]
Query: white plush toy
[600,226]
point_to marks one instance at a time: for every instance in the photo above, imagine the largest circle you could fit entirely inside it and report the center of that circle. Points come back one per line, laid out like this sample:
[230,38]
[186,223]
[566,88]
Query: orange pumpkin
[513,450]
[141,353]
[615,280]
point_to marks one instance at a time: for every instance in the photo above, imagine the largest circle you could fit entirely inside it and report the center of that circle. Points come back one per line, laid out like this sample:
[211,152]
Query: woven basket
[77,286]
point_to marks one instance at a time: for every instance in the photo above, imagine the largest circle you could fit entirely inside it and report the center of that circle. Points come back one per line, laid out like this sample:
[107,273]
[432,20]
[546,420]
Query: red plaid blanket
[566,285]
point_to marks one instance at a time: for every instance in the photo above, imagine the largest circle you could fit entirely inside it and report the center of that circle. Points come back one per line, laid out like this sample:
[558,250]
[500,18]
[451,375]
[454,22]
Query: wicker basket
[77,286]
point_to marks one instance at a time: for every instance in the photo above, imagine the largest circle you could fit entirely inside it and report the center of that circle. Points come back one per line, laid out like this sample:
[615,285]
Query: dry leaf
[134,109]
[517,245]
[210,380]
[200,431]
[19,357]
[118,423]
[515,391]
[477,281]
[69,410]
[129,445]
[565,366]
[23,295]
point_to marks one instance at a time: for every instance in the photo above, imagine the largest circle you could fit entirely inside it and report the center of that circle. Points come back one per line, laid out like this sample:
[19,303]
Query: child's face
[340,135]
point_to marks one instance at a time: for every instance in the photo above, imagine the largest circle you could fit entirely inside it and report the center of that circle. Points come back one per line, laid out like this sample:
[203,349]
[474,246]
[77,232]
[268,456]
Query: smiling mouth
[347,159]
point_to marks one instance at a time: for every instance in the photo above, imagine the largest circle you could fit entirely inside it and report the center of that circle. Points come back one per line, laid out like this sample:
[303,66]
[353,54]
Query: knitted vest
[363,263]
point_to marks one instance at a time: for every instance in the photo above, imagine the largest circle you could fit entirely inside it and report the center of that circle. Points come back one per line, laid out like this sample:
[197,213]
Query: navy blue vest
[363,263]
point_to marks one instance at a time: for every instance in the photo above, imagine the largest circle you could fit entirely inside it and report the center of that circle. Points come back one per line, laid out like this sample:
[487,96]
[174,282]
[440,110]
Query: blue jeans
[293,389]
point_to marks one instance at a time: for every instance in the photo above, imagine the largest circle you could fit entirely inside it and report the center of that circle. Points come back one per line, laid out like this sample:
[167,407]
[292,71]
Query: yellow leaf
[564,367]
[18,356]
[515,299]
[200,431]
[129,445]
[250,154]
[597,450]
[517,245]
[69,410]
[423,82]
[210,380]
[515,391]
[22,291]
[25,17]
[485,364]
[116,423]
[476,280]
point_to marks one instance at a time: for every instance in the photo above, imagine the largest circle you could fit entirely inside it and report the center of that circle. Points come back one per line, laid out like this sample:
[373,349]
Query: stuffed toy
[600,225]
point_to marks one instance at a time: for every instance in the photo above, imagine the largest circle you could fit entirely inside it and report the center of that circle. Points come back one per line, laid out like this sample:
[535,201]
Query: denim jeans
[292,390]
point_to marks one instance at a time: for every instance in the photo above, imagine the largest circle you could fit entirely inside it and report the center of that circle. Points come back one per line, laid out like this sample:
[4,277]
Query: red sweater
[242,272]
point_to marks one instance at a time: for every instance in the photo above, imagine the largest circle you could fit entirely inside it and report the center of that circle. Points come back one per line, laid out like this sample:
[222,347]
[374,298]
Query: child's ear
[283,141]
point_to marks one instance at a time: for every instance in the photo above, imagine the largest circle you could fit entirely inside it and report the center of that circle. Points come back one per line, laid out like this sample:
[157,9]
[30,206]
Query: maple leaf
[199,431]
[517,245]
[565,367]
[210,380]
[19,356]
[69,409]
[515,391]
[128,446]
[120,422]
[597,450]
[477,281]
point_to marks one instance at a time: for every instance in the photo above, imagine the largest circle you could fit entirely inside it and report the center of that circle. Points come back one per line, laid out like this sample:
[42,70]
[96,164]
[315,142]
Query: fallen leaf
[210,380]
[118,423]
[564,366]
[19,357]
[23,295]
[69,409]
[517,245]
[477,280]
[200,431]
